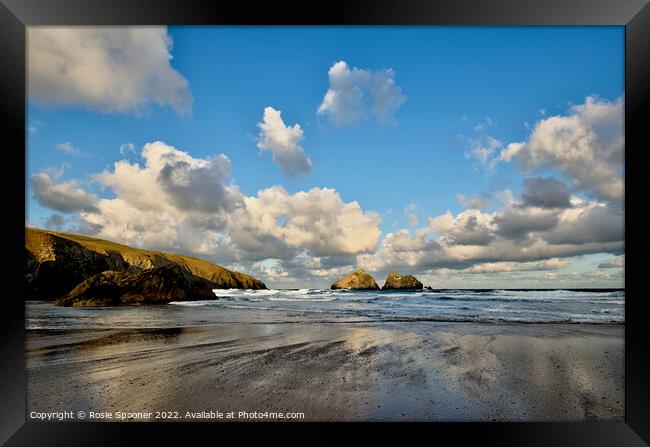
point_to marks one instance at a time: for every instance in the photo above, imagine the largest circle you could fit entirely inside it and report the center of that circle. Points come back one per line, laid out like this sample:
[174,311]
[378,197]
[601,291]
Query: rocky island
[359,280]
[395,281]
[78,270]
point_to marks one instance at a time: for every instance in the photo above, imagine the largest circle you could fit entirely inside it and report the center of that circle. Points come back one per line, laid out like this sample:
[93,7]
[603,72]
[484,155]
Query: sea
[574,306]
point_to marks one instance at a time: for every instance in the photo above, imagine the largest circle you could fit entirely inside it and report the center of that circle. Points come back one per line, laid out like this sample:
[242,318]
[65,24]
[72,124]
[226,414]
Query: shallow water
[344,306]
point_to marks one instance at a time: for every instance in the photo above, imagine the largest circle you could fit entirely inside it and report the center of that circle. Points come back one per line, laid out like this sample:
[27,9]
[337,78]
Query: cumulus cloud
[164,228]
[197,186]
[283,142]
[174,201]
[546,193]
[168,199]
[276,224]
[518,223]
[107,69]
[354,94]
[65,197]
[586,146]
[513,234]
[471,227]
[588,222]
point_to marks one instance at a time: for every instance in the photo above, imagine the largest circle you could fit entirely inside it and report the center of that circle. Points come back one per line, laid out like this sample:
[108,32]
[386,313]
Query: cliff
[159,285]
[57,262]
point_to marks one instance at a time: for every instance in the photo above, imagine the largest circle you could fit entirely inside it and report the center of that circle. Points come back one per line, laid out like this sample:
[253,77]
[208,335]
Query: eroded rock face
[55,263]
[360,280]
[55,266]
[395,281]
[159,285]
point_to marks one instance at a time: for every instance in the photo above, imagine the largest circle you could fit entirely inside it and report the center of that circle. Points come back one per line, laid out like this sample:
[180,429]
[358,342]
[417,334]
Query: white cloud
[181,203]
[470,227]
[65,197]
[276,224]
[356,93]
[586,146]
[173,202]
[177,202]
[514,234]
[107,69]
[69,148]
[283,142]
[172,180]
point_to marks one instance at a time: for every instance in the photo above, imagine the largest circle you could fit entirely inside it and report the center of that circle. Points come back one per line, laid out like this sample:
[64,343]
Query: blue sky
[462,86]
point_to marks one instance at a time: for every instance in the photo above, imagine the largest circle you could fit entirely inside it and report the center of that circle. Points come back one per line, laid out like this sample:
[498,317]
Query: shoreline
[410,371]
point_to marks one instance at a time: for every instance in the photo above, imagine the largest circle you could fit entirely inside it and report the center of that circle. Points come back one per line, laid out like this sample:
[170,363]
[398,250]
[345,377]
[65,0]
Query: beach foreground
[396,371]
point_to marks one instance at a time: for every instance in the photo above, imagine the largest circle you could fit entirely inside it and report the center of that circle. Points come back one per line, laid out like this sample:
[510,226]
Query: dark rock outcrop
[57,262]
[360,280]
[395,281]
[159,285]
[55,265]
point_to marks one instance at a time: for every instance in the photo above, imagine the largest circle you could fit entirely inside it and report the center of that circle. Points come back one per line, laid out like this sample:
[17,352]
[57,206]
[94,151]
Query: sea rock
[159,285]
[395,281]
[360,280]
[57,262]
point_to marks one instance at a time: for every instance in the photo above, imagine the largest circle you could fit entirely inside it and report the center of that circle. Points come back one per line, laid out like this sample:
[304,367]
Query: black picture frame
[15,15]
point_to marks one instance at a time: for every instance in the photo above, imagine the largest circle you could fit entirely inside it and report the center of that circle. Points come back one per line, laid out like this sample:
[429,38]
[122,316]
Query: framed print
[244,217]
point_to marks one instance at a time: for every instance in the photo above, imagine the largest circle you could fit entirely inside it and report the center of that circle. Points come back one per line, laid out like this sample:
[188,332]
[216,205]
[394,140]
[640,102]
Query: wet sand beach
[395,371]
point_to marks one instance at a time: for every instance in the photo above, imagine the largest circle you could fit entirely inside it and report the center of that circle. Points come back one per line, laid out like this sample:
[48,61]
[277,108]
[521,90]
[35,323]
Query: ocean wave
[319,305]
